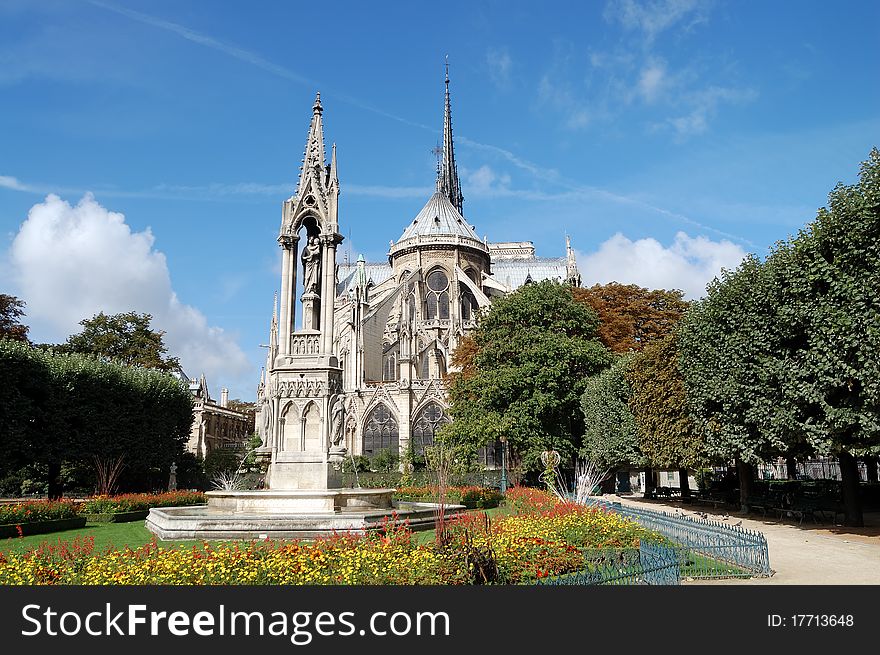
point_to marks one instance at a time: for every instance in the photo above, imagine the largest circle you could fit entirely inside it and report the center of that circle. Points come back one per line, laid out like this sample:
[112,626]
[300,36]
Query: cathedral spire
[447,180]
[572,274]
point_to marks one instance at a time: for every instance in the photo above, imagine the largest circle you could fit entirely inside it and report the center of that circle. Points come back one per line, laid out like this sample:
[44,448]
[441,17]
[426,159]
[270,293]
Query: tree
[124,338]
[72,409]
[534,351]
[630,317]
[784,355]
[828,278]
[610,438]
[667,435]
[11,310]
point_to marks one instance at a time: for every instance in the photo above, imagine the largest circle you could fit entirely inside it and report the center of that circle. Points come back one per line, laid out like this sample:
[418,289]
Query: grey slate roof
[510,272]
[438,216]
[513,272]
[347,275]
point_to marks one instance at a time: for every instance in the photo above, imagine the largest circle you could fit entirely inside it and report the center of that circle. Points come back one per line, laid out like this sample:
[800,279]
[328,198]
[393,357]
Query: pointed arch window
[380,432]
[437,295]
[428,421]
[389,371]
[468,303]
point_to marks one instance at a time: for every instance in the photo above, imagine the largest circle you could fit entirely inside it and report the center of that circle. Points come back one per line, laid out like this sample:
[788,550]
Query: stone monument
[302,417]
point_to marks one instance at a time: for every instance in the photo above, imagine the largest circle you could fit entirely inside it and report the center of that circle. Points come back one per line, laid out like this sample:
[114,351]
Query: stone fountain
[302,415]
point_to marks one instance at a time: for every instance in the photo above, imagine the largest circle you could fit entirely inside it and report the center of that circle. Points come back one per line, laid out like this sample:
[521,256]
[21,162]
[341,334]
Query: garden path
[805,554]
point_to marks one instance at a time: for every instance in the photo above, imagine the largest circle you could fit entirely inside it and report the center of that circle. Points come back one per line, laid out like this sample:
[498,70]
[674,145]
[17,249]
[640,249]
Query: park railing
[706,549]
[650,564]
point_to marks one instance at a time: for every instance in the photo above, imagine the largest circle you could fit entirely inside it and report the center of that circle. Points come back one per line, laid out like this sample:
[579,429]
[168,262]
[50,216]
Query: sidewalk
[806,554]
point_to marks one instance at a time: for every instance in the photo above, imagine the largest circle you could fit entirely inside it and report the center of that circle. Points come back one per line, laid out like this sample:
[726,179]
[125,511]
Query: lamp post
[503,441]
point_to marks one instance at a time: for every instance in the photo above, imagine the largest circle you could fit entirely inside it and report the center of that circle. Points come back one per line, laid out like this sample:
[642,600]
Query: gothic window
[427,422]
[468,303]
[380,432]
[437,296]
[389,371]
[425,372]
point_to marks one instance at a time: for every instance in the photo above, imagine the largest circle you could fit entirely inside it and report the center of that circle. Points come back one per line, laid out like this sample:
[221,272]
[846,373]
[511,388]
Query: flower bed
[38,517]
[472,497]
[35,511]
[140,502]
[514,549]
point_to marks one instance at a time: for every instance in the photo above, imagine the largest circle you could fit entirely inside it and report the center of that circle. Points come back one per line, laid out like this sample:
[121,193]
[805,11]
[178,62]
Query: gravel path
[806,554]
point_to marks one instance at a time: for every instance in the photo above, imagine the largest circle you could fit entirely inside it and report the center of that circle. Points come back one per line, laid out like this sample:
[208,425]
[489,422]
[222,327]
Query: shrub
[36,511]
[135,502]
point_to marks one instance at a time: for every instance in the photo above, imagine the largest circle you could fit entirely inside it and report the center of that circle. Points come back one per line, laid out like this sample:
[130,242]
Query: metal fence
[706,549]
[650,564]
[823,468]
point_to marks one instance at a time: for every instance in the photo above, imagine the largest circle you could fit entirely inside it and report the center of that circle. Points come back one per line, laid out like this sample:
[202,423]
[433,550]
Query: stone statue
[337,418]
[172,478]
[311,260]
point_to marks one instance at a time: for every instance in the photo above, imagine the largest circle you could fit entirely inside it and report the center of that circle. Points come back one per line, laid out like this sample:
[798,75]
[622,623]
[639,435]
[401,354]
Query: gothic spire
[313,158]
[447,181]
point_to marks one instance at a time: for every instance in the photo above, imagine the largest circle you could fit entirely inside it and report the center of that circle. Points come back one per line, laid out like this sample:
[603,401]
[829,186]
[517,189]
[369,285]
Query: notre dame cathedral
[362,368]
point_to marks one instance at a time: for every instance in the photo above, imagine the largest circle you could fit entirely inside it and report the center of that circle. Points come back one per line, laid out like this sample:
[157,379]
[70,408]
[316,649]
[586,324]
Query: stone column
[288,290]
[328,289]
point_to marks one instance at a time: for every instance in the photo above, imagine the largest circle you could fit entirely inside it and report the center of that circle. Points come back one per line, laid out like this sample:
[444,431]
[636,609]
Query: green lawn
[134,534]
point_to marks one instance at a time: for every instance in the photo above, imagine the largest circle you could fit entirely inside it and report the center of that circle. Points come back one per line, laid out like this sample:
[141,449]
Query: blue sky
[667,137]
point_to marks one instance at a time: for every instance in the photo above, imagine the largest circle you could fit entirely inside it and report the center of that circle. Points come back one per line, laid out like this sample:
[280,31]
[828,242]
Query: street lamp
[503,441]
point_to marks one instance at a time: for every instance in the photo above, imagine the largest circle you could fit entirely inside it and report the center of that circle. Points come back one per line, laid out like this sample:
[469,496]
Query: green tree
[124,338]
[71,409]
[610,438]
[630,316]
[533,353]
[724,344]
[783,355]
[667,435]
[11,311]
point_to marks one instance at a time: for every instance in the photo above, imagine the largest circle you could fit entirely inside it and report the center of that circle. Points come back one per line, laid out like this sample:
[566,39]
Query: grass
[134,535]
[120,535]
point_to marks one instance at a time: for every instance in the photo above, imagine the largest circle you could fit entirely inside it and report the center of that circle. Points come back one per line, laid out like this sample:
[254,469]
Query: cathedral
[362,368]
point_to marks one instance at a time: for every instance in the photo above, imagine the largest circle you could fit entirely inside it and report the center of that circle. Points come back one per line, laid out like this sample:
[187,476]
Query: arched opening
[389,368]
[311,428]
[468,303]
[437,295]
[380,432]
[308,274]
[429,419]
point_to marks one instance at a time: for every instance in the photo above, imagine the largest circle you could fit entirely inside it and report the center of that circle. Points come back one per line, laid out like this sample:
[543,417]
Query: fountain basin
[297,514]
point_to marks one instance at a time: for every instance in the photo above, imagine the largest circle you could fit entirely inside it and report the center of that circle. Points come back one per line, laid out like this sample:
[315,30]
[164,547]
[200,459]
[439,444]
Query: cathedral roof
[437,217]
[347,275]
[513,273]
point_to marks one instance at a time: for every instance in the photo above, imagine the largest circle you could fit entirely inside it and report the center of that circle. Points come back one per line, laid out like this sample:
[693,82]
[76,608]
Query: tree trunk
[871,468]
[746,475]
[56,487]
[852,504]
[791,468]
[649,483]
[683,484]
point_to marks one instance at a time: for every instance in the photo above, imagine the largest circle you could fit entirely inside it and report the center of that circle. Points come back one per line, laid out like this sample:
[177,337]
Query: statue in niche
[337,417]
[311,260]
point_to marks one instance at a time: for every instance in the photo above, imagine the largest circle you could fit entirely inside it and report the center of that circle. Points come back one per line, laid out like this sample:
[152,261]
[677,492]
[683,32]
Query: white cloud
[689,263]
[70,263]
[486,182]
[652,81]
[8,182]
[704,105]
[499,63]
[654,18]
